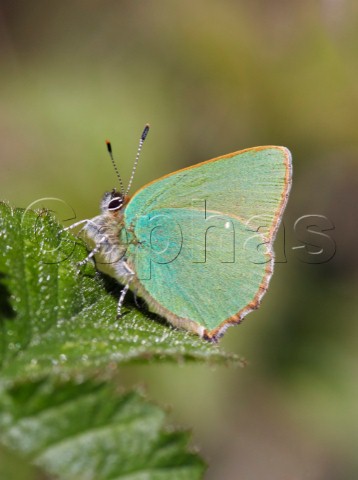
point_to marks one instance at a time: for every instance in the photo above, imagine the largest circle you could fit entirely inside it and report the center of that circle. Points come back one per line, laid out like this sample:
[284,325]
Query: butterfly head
[112,201]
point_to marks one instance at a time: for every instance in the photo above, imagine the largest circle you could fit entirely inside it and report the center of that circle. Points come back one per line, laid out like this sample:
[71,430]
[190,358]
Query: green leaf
[88,431]
[56,320]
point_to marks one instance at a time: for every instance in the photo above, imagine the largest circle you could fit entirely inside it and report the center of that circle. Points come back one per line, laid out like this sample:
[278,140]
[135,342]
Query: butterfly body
[197,244]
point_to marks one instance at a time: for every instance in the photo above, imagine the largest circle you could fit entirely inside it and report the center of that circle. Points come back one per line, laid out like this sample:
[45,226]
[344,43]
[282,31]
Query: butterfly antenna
[141,141]
[109,148]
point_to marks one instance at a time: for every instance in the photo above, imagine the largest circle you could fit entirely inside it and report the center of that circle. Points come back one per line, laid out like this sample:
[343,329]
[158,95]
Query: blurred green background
[211,78]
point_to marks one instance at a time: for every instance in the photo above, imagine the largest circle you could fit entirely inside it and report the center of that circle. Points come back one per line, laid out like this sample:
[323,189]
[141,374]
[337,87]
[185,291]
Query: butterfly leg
[121,300]
[130,274]
[74,225]
[93,252]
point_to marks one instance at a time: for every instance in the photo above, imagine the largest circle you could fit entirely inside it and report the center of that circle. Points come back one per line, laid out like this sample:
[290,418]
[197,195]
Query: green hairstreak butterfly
[197,244]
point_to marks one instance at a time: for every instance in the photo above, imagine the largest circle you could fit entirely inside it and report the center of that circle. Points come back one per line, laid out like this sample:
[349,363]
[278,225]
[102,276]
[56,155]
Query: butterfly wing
[204,235]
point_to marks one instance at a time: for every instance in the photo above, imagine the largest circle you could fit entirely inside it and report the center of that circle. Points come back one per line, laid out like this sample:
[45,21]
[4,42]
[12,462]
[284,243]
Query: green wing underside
[249,185]
[205,233]
[199,265]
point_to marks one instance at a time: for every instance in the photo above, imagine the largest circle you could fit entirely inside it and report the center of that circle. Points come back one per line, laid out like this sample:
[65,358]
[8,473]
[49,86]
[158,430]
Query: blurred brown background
[212,77]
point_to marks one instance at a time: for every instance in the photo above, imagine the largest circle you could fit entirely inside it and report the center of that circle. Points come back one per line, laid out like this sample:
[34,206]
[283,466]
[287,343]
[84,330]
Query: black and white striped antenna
[141,141]
[109,148]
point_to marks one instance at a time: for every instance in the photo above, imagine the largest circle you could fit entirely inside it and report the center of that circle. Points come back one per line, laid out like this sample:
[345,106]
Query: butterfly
[197,244]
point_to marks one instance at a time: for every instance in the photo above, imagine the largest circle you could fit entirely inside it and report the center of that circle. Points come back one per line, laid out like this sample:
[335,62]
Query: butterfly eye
[115,203]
